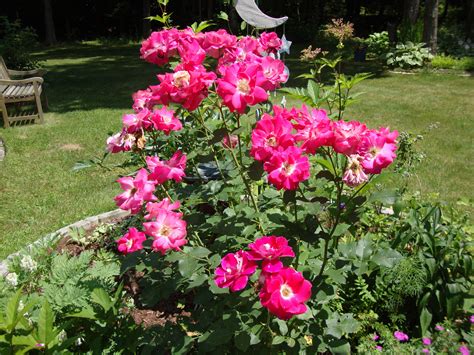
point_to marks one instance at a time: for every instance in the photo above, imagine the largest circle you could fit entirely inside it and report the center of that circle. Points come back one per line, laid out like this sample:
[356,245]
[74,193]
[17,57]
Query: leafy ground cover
[89,86]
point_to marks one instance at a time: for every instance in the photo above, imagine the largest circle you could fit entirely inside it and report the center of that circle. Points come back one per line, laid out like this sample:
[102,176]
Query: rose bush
[295,172]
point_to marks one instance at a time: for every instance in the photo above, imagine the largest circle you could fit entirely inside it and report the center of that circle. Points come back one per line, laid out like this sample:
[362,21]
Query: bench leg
[6,122]
[38,103]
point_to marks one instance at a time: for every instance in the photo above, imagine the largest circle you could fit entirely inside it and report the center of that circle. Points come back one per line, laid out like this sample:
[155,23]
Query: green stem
[298,241]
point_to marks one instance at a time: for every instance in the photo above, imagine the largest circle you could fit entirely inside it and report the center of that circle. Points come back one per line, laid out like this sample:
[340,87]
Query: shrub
[378,43]
[449,62]
[408,55]
[17,43]
[452,42]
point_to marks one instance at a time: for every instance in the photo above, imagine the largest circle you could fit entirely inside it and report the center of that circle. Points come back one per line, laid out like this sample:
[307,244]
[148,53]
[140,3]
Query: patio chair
[19,93]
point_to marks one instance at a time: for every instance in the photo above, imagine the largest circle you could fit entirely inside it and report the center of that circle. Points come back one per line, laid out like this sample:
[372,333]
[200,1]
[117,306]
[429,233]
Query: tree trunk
[410,11]
[49,23]
[470,20]
[146,22]
[430,28]
[210,9]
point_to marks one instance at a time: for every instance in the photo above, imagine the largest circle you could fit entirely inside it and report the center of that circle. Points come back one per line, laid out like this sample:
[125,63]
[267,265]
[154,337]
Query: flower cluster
[281,142]
[283,290]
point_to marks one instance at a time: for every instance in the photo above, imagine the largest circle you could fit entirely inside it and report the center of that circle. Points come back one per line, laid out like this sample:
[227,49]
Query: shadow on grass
[94,76]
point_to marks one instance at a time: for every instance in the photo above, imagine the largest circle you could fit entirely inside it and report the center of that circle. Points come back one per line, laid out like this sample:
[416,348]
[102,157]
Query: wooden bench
[18,92]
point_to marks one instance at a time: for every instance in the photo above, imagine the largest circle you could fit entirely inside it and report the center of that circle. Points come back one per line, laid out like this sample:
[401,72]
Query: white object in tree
[250,13]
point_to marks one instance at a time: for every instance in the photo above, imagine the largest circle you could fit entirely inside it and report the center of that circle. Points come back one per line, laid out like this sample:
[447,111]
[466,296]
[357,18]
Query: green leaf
[278,340]
[46,332]
[223,16]
[242,341]
[341,229]
[386,257]
[87,313]
[255,171]
[187,266]
[364,248]
[388,197]
[327,164]
[199,252]
[101,297]
[425,320]
[282,326]
[11,310]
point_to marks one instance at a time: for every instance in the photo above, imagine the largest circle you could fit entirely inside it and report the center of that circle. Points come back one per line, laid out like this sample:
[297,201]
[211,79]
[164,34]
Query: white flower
[28,264]
[12,279]
[21,305]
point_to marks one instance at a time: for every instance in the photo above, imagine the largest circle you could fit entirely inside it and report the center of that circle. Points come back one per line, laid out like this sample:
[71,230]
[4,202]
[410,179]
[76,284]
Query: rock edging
[87,223]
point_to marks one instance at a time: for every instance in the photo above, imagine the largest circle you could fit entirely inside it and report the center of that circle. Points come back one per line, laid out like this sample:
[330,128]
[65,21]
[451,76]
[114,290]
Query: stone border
[3,149]
[48,239]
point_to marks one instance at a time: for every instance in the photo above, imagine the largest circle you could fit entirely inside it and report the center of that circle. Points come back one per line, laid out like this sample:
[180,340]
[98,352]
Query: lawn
[89,87]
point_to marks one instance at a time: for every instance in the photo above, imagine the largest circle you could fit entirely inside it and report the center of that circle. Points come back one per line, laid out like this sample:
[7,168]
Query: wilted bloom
[439,328]
[142,99]
[168,231]
[28,264]
[270,249]
[308,54]
[164,120]
[354,175]
[136,191]
[241,86]
[12,279]
[464,350]
[270,42]
[232,143]
[285,292]
[121,142]
[400,336]
[378,152]
[131,241]
[270,135]
[426,341]
[234,271]
[162,171]
[287,169]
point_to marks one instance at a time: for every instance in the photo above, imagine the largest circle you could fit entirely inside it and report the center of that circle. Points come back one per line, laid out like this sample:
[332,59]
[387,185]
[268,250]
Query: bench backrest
[3,70]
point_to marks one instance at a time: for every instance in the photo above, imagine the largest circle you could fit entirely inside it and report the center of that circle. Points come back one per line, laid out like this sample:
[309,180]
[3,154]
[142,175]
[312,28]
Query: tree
[410,11]
[50,32]
[146,28]
[430,27]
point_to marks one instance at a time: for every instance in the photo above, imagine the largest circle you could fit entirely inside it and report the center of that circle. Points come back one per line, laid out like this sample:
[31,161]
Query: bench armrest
[22,81]
[23,73]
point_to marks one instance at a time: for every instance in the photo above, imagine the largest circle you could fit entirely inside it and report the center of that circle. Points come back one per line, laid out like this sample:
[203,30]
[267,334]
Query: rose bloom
[136,191]
[378,152]
[121,142]
[314,129]
[273,72]
[168,231]
[270,42]
[270,249]
[400,336]
[131,241]
[164,120]
[172,169]
[426,341]
[464,350]
[347,136]
[287,169]
[216,42]
[270,135]
[285,292]
[241,86]
[160,46]
[234,271]
[142,99]
[155,208]
[136,122]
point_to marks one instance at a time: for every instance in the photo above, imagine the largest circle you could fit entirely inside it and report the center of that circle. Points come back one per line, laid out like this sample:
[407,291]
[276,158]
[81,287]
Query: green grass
[89,87]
